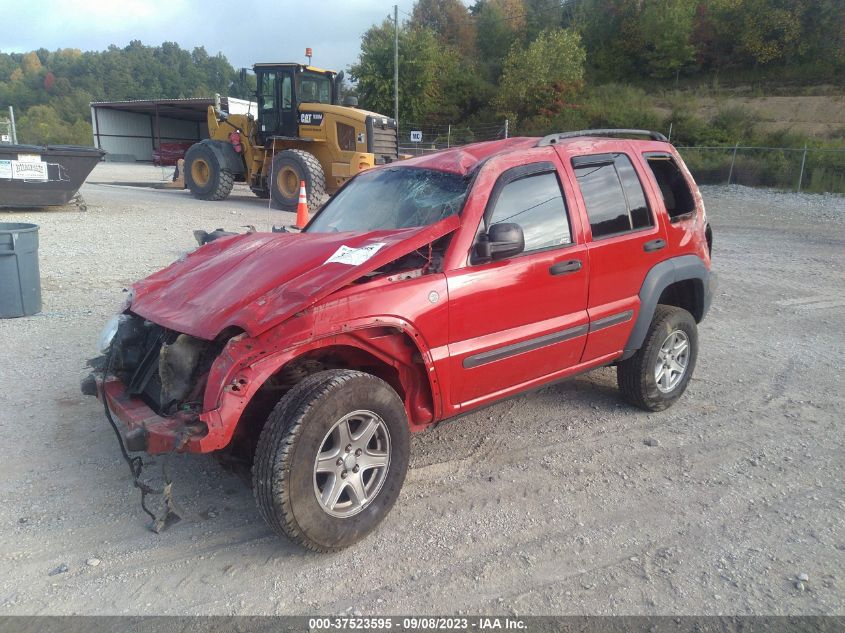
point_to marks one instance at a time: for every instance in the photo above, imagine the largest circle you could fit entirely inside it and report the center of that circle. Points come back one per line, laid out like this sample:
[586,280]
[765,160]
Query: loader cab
[280,90]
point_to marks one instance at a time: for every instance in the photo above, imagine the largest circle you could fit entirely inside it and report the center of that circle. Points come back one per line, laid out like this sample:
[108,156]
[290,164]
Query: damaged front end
[153,380]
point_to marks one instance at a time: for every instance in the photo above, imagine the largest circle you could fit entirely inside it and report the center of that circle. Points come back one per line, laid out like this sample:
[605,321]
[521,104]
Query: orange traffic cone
[302,207]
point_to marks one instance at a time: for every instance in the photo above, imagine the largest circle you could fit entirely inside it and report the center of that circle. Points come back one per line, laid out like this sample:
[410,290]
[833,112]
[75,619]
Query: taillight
[235,140]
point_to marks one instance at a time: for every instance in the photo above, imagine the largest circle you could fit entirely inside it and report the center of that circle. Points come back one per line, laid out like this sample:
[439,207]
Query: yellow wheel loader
[301,132]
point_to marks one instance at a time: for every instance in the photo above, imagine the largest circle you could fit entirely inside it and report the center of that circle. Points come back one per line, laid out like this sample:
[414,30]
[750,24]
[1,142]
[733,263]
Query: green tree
[667,30]
[757,32]
[496,33]
[611,34]
[541,78]
[541,15]
[419,64]
[449,20]
[41,125]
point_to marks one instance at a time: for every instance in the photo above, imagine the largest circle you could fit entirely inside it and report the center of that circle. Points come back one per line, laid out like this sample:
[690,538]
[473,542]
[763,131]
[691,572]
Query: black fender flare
[226,155]
[660,277]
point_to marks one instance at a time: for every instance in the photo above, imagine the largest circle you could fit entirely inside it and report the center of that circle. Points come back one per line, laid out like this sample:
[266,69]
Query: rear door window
[613,194]
[637,205]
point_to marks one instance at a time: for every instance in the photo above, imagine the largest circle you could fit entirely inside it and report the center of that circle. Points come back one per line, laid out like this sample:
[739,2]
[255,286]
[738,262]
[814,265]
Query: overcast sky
[245,31]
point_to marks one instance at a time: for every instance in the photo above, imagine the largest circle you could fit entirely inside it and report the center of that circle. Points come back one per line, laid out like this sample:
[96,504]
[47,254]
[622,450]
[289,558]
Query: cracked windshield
[393,198]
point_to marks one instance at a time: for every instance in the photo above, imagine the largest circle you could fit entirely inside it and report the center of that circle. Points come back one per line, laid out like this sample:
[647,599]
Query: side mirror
[350,101]
[501,240]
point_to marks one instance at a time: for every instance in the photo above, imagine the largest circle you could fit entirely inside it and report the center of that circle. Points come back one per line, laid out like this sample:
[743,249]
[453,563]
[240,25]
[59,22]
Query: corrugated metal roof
[190,109]
[152,101]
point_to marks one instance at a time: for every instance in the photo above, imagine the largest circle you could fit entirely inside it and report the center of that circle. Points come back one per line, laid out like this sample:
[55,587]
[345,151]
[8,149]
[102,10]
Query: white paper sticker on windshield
[354,256]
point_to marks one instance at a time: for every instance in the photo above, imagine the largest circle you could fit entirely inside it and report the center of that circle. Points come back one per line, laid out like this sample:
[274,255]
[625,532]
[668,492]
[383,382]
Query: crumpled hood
[257,280]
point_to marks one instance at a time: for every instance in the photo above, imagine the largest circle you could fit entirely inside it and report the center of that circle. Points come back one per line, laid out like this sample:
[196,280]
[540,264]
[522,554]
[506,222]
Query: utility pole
[396,68]
[733,160]
[801,175]
[14,129]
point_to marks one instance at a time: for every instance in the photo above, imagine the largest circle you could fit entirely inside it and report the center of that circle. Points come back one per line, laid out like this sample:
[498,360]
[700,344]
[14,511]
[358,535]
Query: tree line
[51,90]
[543,64]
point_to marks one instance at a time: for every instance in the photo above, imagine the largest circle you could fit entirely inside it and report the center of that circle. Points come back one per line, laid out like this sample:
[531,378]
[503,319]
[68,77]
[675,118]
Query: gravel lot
[555,502]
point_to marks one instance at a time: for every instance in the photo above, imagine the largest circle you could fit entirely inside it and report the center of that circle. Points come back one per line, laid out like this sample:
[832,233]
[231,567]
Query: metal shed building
[130,130]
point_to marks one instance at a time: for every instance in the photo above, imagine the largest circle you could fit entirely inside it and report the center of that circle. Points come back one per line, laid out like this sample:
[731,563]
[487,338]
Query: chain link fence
[815,170]
[5,131]
[796,169]
[417,139]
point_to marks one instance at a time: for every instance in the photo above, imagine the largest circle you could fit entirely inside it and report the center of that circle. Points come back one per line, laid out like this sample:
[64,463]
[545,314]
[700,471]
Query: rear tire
[204,176]
[314,435]
[658,374]
[290,167]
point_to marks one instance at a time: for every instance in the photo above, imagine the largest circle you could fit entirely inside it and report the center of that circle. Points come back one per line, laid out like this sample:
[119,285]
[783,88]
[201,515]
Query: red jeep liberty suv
[423,289]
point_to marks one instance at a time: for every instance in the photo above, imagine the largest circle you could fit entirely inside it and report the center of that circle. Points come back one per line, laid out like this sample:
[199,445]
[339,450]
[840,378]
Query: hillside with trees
[542,64]
[546,64]
[51,91]
[713,73]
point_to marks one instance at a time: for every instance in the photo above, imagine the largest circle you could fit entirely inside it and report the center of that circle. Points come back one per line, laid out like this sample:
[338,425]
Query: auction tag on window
[354,256]
[5,169]
[29,158]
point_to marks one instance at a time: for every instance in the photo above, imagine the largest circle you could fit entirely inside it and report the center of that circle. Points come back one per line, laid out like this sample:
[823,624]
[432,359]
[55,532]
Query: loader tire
[290,167]
[204,176]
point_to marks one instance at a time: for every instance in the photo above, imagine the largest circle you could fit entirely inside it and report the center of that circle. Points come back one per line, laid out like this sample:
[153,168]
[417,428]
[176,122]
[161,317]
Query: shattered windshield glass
[392,198]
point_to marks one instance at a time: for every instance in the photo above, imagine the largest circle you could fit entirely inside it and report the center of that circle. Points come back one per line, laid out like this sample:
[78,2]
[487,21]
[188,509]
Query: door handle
[562,268]
[654,245]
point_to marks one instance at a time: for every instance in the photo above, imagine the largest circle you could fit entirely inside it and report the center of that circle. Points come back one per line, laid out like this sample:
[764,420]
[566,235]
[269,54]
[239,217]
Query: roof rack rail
[552,139]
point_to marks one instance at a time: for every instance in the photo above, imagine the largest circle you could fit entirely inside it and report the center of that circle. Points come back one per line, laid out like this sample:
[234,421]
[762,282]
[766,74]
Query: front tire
[291,167]
[658,374]
[331,459]
[204,176]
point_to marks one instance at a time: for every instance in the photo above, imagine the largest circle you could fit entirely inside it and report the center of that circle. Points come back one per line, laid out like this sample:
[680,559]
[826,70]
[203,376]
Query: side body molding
[657,280]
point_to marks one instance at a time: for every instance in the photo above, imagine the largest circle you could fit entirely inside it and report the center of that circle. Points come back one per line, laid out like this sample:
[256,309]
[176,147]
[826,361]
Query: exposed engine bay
[166,369]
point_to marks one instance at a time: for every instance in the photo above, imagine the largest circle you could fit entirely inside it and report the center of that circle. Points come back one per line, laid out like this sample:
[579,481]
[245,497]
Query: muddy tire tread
[276,443]
[631,373]
[317,190]
[224,186]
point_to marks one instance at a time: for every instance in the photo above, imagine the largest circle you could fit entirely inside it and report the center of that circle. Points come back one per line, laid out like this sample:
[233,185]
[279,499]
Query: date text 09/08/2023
[416,624]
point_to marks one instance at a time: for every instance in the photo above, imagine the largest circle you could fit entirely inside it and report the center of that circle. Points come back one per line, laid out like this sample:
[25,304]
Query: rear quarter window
[677,197]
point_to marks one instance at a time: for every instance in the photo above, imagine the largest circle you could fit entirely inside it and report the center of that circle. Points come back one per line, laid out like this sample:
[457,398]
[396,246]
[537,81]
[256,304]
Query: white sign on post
[4,138]
[416,136]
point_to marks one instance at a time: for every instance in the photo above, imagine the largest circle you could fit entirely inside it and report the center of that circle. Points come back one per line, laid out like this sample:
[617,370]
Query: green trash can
[20,281]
